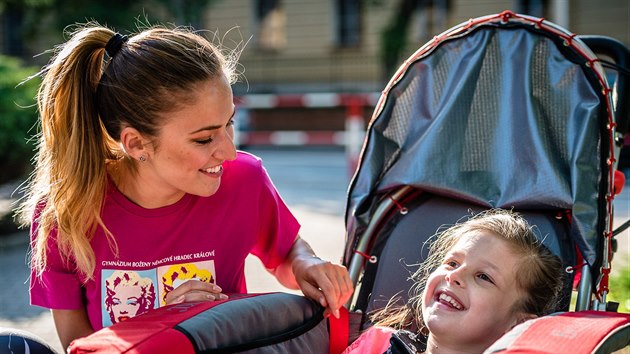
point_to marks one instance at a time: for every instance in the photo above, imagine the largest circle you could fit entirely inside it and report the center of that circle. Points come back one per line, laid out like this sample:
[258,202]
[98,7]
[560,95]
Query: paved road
[312,182]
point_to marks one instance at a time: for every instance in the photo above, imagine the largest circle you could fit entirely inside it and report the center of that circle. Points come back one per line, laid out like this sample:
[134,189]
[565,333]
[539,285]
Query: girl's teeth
[450,300]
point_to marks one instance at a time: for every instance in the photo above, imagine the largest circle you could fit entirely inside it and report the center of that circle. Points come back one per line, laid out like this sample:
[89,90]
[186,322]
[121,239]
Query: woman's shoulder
[245,163]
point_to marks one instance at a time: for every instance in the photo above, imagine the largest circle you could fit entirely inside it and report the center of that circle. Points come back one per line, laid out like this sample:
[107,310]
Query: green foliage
[394,36]
[121,15]
[620,286]
[18,116]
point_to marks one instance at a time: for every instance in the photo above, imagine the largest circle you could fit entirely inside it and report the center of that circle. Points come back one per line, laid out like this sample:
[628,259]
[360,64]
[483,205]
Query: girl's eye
[451,264]
[204,141]
[485,277]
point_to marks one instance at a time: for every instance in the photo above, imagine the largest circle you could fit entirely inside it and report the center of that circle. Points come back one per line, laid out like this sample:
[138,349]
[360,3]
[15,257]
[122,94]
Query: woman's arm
[327,283]
[71,324]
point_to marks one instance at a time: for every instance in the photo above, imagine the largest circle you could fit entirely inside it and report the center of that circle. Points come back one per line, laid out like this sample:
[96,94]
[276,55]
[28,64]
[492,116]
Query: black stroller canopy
[500,115]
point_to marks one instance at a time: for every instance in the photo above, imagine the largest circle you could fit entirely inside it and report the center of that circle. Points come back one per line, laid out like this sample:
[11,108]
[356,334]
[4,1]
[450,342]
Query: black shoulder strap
[405,342]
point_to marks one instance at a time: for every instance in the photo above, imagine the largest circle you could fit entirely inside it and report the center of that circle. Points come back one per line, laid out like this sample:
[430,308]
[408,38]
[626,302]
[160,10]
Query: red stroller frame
[506,111]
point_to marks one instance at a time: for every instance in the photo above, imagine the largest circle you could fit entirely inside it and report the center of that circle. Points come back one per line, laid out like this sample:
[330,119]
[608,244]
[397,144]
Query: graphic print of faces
[128,295]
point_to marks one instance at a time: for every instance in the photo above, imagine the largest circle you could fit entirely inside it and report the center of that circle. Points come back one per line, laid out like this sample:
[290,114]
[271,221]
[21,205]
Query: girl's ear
[134,143]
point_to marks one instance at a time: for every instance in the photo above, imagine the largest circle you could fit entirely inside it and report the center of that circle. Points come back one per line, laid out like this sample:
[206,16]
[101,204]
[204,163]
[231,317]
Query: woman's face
[469,300]
[192,145]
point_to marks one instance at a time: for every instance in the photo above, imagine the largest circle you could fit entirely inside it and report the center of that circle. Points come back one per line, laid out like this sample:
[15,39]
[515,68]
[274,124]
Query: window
[531,7]
[270,23]
[348,26]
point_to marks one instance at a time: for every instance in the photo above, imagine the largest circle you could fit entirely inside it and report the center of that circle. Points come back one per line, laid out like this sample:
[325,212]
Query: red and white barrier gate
[351,138]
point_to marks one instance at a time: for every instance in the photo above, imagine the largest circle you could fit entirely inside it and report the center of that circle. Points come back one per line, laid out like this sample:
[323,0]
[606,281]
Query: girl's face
[192,145]
[469,300]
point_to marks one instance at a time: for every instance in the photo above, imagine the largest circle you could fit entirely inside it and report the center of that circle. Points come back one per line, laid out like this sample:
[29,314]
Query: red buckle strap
[339,331]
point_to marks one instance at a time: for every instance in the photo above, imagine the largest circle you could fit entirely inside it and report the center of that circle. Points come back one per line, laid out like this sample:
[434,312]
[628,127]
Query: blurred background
[311,74]
[307,65]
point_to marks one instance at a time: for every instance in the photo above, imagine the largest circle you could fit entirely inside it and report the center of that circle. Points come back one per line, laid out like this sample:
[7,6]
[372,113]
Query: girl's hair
[538,274]
[86,98]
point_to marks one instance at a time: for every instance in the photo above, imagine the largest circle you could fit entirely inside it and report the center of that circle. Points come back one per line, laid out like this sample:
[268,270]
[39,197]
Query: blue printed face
[126,302]
[469,300]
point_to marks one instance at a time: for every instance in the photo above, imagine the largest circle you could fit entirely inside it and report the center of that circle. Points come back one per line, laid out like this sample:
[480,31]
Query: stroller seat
[406,246]
[504,111]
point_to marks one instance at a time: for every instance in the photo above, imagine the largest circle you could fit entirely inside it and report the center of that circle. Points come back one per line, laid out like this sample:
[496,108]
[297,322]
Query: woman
[136,171]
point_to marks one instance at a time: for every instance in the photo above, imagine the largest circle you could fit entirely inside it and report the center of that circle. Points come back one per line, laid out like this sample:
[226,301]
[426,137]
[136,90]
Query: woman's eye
[204,141]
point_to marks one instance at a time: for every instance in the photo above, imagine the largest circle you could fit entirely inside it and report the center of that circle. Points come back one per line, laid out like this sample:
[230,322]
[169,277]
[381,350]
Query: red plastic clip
[620,181]
[402,209]
[371,259]
[506,15]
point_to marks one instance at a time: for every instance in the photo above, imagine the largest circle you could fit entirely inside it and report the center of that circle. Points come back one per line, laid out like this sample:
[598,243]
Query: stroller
[504,111]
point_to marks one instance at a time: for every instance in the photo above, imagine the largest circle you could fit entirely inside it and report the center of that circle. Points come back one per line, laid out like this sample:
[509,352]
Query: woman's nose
[226,149]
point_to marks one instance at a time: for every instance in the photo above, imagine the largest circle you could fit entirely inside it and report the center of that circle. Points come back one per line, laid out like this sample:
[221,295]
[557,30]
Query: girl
[136,172]
[482,277]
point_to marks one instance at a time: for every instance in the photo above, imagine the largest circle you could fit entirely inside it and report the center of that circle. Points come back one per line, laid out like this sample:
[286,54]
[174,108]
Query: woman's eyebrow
[210,127]
[213,127]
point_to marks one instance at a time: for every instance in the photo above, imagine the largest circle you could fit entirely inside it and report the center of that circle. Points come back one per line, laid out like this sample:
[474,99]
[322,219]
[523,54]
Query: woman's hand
[195,290]
[328,284]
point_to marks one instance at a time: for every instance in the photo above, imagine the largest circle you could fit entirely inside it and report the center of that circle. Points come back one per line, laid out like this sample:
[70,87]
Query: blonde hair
[538,274]
[84,101]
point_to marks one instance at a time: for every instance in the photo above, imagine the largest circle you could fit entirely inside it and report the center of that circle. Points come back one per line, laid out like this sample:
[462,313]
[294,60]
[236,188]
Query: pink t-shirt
[204,238]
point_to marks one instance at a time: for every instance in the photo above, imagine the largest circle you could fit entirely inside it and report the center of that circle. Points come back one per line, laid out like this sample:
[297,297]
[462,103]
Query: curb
[14,239]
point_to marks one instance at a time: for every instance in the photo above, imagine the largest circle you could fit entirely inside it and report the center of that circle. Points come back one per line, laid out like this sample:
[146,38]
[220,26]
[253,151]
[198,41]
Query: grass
[619,285]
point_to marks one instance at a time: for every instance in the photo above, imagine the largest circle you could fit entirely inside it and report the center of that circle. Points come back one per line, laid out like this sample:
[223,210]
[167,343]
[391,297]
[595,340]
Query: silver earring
[142,158]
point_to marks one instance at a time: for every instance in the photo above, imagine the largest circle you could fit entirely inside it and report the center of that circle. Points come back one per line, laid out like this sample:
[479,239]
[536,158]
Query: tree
[25,21]
[394,37]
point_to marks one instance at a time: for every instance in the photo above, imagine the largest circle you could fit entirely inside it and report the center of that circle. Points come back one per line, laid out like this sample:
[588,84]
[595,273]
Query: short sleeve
[278,227]
[59,287]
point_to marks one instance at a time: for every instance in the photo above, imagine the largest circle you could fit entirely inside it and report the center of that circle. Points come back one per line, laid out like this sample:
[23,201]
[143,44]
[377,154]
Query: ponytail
[85,100]
[67,189]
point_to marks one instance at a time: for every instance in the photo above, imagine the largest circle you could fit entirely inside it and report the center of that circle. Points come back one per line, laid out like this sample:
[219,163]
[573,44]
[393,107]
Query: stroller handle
[619,53]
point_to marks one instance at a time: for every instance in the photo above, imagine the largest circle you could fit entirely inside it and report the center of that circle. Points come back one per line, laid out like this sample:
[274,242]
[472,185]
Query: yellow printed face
[178,274]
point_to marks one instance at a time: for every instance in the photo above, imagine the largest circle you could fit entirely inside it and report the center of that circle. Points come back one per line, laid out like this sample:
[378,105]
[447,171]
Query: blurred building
[324,49]
[336,46]
[294,47]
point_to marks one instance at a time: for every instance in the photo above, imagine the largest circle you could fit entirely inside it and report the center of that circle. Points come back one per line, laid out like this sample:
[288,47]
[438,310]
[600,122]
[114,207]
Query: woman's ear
[134,143]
